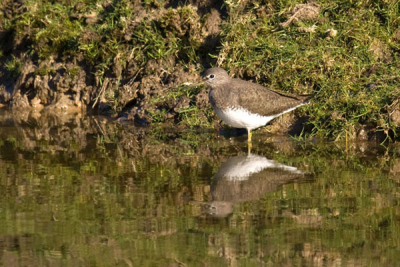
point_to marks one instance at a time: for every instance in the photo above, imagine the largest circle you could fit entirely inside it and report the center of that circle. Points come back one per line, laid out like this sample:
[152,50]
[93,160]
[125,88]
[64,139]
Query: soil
[126,92]
[68,84]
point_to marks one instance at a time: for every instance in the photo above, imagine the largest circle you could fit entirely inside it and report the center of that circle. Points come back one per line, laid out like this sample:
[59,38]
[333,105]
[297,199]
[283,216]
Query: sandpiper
[244,104]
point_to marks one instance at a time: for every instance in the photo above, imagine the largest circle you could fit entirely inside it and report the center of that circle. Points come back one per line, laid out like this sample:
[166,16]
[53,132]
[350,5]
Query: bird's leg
[249,145]
[248,136]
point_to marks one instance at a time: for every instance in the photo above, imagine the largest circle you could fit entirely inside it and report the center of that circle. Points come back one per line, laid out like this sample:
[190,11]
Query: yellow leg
[249,145]
[248,136]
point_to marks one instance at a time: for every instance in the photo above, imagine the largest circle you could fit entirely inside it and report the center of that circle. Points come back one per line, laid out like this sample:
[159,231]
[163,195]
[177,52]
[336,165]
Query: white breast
[242,118]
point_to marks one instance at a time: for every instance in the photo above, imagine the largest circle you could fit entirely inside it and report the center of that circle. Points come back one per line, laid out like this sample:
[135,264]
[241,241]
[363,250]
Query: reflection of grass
[139,199]
[148,206]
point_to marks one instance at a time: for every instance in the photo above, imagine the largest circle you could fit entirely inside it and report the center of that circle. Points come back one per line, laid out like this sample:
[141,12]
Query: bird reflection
[245,178]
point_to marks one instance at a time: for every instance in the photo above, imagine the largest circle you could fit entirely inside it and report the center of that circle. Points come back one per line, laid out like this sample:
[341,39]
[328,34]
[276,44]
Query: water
[84,191]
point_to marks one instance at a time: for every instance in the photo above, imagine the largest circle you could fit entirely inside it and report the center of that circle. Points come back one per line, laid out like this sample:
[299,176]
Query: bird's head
[215,76]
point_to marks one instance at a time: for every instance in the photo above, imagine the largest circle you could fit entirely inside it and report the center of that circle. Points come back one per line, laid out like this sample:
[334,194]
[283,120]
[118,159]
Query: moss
[44,71]
[13,67]
[332,49]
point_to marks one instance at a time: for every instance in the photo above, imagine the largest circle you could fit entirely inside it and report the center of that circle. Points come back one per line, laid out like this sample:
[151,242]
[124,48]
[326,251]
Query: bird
[244,104]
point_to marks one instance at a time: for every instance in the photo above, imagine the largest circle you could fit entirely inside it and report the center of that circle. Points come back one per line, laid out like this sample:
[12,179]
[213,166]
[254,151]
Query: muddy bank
[139,62]
[140,90]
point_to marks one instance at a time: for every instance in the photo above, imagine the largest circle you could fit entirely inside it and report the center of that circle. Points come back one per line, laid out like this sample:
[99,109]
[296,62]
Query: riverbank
[139,62]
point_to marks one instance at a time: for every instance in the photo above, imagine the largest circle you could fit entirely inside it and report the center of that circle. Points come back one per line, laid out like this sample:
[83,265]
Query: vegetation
[338,69]
[346,54]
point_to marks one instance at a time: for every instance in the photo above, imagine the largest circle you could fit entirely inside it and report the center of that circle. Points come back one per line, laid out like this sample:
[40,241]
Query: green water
[83,191]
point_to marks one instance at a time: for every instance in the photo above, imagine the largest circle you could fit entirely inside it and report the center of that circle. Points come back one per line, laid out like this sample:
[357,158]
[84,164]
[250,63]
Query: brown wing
[261,100]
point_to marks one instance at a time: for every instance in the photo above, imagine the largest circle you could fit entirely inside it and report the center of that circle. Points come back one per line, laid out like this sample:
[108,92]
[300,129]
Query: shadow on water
[78,190]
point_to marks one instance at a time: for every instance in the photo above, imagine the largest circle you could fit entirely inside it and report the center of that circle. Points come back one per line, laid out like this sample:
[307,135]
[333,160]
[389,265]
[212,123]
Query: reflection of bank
[245,178]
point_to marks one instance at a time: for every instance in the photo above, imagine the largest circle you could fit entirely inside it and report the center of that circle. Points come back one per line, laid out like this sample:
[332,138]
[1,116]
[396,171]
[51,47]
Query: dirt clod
[302,12]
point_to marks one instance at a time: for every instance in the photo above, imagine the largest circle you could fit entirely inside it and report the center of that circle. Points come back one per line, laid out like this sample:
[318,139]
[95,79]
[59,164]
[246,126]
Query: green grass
[337,70]
[13,67]
[189,115]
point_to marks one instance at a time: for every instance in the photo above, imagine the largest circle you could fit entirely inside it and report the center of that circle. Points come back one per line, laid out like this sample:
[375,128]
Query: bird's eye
[212,76]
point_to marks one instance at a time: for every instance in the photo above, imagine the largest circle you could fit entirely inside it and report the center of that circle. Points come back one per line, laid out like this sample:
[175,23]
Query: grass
[353,74]
[13,67]
[336,70]
[188,115]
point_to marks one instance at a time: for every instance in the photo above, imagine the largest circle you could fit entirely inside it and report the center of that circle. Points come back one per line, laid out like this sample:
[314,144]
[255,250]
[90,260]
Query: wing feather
[261,100]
